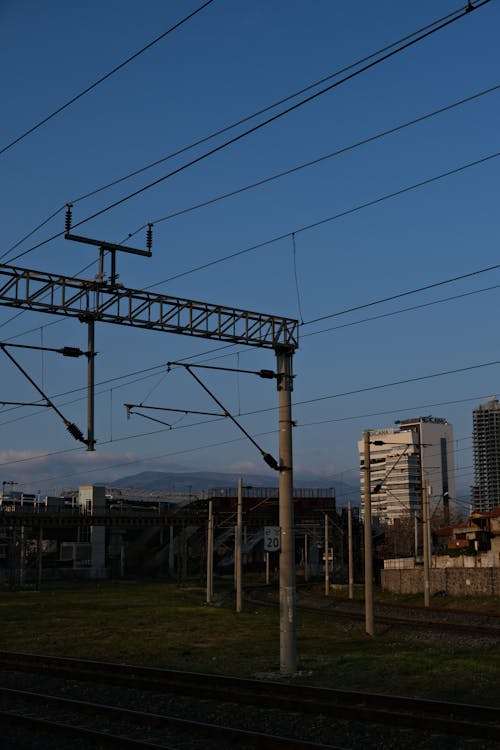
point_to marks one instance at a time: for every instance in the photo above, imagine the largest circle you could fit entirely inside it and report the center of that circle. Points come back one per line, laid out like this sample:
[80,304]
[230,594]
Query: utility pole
[429,525]
[425,518]
[237,546]
[446,508]
[415,519]
[185,551]
[108,302]
[367,495]
[210,553]
[306,558]
[425,541]
[21,556]
[171,556]
[39,559]
[90,383]
[350,550]
[327,561]
[288,655]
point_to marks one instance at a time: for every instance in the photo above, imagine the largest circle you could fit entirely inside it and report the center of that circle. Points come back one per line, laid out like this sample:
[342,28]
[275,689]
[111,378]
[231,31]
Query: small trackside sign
[272,538]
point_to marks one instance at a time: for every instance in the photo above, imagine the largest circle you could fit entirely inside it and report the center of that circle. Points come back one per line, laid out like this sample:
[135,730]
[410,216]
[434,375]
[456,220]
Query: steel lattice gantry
[93,300]
[107,302]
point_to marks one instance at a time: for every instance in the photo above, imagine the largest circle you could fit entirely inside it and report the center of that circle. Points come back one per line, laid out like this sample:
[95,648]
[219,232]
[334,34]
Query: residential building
[420,448]
[486,443]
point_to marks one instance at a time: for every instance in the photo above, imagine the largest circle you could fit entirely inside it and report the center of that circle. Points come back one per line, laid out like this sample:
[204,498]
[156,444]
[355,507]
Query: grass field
[170,625]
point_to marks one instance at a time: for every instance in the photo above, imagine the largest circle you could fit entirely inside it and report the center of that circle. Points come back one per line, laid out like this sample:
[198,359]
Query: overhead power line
[320,222]
[381,386]
[357,391]
[402,310]
[227,128]
[234,440]
[405,381]
[392,297]
[386,412]
[34,230]
[411,308]
[367,389]
[367,66]
[416,37]
[156,368]
[128,462]
[151,372]
[422,306]
[307,424]
[319,160]
[103,78]
[262,110]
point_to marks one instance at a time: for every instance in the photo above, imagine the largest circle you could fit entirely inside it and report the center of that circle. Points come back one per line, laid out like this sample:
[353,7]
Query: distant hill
[198,481]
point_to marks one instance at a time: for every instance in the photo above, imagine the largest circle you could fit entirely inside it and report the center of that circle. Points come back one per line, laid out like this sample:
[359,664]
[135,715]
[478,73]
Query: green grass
[170,625]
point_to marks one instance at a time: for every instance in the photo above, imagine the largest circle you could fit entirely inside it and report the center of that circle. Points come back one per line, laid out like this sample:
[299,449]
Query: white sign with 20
[272,538]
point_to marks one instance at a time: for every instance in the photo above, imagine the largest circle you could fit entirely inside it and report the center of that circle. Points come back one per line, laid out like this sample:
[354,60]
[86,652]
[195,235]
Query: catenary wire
[405,381]
[366,389]
[205,422]
[464,502]
[460,13]
[319,160]
[104,77]
[153,458]
[395,411]
[424,288]
[154,370]
[34,230]
[296,277]
[227,128]
[451,298]
[23,417]
[292,108]
[261,111]
[402,310]
[326,220]
[159,367]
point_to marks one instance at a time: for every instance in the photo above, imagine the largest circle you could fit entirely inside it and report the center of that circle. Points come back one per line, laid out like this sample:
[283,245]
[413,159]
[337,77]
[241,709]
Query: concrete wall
[482,560]
[453,581]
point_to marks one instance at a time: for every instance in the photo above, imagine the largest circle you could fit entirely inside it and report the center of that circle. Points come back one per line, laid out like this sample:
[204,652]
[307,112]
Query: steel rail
[413,621]
[416,713]
[391,620]
[102,738]
[141,718]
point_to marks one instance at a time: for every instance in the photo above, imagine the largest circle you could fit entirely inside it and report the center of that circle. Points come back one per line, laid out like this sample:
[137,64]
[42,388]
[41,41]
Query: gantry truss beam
[100,301]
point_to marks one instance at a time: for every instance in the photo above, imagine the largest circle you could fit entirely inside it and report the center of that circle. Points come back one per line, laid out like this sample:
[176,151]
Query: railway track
[434,618]
[68,716]
[241,711]
[411,620]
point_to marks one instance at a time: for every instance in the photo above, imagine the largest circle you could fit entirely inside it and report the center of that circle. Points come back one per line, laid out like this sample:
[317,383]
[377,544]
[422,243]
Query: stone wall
[452,581]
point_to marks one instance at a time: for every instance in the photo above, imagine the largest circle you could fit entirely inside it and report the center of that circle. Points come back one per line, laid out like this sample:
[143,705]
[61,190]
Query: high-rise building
[400,458]
[486,442]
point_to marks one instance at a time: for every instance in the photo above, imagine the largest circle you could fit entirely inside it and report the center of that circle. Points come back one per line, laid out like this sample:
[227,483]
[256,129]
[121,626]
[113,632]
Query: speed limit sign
[272,538]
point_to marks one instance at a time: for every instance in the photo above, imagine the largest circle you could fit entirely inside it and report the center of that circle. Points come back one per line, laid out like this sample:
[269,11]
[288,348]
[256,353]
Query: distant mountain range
[197,481]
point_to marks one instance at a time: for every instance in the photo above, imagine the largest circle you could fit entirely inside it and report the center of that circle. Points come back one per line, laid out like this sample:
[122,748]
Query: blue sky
[230,60]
